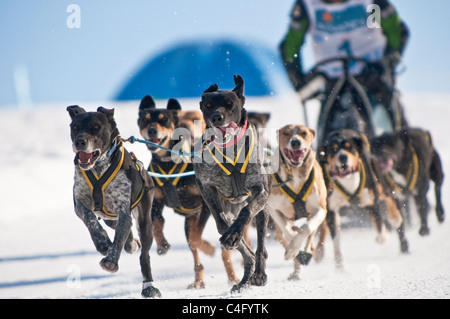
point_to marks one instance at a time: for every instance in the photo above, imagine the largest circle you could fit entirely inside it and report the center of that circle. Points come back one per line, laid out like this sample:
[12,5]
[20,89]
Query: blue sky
[117,37]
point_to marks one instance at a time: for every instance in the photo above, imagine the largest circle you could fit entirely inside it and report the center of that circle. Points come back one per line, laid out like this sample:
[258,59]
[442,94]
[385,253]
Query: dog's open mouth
[295,156]
[156,142]
[225,133]
[87,159]
[343,170]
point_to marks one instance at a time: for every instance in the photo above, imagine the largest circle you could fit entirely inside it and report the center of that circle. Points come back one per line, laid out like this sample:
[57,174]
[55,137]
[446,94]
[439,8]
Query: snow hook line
[133,139]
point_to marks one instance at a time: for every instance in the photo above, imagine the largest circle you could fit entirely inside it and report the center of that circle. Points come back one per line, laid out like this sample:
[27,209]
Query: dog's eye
[286,133]
[208,105]
[229,104]
[162,120]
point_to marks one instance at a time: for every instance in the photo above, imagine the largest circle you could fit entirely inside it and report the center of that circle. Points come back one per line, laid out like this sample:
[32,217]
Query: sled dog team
[234,182]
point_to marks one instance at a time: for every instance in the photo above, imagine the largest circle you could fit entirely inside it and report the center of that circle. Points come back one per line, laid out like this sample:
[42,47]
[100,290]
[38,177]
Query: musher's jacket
[347,29]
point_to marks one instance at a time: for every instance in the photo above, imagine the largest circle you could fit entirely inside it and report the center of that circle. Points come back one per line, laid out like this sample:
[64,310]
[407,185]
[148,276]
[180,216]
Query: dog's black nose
[343,158]
[152,132]
[80,143]
[295,144]
[216,119]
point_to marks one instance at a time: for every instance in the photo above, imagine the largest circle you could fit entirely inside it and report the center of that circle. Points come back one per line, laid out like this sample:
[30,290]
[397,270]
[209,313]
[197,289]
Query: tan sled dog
[298,198]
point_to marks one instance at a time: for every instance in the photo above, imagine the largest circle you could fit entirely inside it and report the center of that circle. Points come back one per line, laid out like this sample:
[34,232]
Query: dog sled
[345,102]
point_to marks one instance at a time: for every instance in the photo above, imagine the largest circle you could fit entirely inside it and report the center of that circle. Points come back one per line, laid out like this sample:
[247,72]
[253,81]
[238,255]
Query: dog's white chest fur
[350,183]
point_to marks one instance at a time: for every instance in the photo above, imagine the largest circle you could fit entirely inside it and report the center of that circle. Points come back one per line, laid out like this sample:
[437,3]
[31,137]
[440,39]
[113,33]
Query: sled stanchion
[305,113]
[314,86]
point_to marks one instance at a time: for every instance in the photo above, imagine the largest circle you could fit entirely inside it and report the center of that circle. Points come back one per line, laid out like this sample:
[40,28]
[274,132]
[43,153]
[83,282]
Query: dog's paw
[258,279]
[109,265]
[295,276]
[198,284]
[230,240]
[133,247]
[380,239]
[424,231]
[163,249]
[151,292]
[440,215]
[304,258]
[404,247]
[238,288]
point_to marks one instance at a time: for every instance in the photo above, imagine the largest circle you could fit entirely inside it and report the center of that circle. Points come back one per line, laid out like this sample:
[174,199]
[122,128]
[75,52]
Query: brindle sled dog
[110,184]
[229,172]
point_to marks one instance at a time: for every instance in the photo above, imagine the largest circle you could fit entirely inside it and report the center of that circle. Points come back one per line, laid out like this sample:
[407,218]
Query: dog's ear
[212,88]
[173,104]
[239,86]
[175,107]
[362,143]
[110,117]
[147,102]
[108,112]
[313,132]
[74,110]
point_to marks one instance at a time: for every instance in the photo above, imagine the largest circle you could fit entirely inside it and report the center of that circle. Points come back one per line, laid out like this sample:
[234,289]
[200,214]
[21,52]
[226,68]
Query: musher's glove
[391,60]
[295,75]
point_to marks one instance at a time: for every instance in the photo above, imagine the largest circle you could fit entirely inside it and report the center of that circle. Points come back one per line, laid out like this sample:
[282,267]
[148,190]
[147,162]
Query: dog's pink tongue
[85,157]
[298,154]
[231,128]
[295,155]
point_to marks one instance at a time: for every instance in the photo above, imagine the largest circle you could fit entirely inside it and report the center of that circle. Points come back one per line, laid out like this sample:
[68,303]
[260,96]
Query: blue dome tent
[188,69]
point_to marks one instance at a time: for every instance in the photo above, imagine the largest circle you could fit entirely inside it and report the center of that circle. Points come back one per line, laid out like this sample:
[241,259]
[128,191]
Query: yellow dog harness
[98,184]
[236,168]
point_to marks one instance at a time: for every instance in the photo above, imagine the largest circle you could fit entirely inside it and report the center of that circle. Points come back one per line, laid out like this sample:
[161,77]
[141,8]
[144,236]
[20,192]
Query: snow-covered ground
[46,251]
